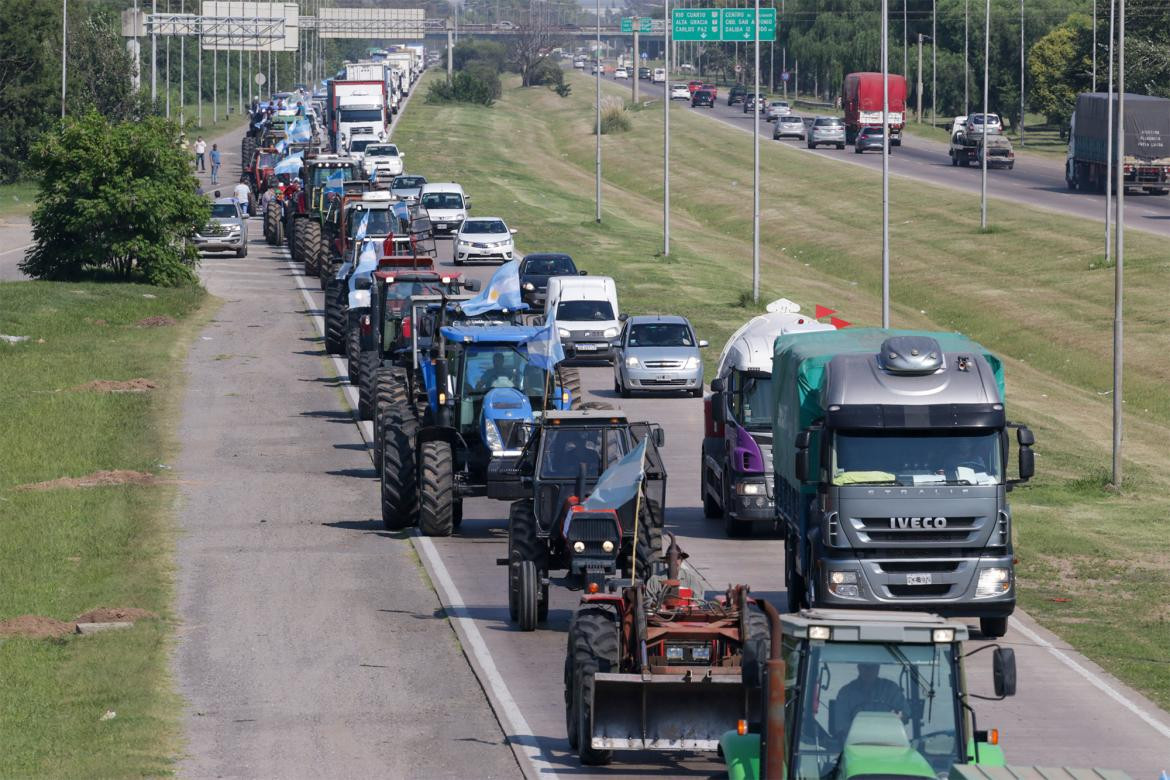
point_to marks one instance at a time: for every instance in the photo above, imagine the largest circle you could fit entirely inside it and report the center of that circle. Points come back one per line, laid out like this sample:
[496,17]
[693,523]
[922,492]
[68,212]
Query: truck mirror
[1024,436]
[659,437]
[1003,669]
[717,411]
[1027,463]
[803,440]
[802,465]
[583,273]
[472,285]
[718,385]
[623,317]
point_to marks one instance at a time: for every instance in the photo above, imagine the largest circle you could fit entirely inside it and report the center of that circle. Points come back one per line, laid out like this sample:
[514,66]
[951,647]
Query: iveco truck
[891,473]
[736,459]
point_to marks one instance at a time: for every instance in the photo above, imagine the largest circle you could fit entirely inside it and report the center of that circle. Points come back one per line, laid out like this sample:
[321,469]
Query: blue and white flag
[620,482]
[336,182]
[300,131]
[544,348]
[290,164]
[281,145]
[369,256]
[502,292]
[363,226]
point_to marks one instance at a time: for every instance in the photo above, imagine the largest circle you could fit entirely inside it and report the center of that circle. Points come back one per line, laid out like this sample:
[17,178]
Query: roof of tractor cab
[858,625]
[586,415]
[491,334]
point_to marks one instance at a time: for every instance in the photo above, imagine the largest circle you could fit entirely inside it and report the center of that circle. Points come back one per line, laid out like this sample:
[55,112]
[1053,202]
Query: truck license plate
[441,226]
[918,579]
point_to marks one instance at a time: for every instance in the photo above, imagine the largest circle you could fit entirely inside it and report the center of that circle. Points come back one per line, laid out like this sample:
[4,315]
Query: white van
[586,311]
[659,76]
[447,204]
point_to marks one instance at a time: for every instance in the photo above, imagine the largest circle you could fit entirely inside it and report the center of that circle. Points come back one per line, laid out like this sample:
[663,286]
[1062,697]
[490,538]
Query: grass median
[1033,288]
[90,394]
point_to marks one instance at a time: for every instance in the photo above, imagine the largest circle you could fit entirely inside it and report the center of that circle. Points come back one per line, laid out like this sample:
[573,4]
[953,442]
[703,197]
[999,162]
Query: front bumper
[464,252]
[589,348]
[447,227]
[219,243]
[640,378]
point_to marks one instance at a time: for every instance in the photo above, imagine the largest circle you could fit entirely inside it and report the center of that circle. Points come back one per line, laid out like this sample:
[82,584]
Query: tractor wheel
[399,482]
[528,597]
[295,239]
[456,514]
[353,353]
[330,262]
[570,700]
[793,583]
[649,542]
[272,222]
[310,247]
[252,203]
[367,364]
[993,628]
[436,488]
[570,381]
[525,545]
[389,389]
[335,318]
[758,626]
[595,650]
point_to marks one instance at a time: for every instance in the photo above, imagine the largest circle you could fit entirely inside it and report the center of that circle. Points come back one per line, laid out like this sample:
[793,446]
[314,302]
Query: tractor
[549,471]
[303,227]
[469,383]
[654,665]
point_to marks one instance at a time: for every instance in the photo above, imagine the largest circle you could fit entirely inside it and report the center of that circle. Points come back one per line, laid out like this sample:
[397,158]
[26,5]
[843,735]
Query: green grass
[17,199]
[1032,289]
[66,551]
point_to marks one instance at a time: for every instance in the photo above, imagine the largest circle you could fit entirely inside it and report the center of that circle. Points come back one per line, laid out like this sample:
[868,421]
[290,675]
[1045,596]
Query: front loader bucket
[668,711]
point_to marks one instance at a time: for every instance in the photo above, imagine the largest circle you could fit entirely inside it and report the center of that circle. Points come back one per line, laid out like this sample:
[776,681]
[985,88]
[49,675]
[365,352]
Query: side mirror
[472,285]
[659,437]
[718,385]
[1003,670]
[803,440]
[623,317]
[1027,464]
[1024,436]
[512,231]
[718,412]
[583,273]
[802,463]
[703,343]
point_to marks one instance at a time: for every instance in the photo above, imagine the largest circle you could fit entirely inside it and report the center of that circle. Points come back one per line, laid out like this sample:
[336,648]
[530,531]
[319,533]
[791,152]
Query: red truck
[862,99]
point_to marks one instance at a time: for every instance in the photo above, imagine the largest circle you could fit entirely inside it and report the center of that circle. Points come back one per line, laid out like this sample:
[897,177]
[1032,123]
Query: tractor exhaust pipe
[772,739]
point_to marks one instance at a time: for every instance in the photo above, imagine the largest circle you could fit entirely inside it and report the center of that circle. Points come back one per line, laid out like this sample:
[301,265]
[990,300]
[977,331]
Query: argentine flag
[502,292]
[544,349]
[290,164]
[335,183]
[300,131]
[362,227]
[620,482]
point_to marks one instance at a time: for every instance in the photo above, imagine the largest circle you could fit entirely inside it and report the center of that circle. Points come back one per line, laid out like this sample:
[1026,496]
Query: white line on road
[18,249]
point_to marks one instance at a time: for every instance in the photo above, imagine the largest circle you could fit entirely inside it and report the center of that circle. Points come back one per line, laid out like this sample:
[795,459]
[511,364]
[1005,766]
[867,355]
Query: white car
[776,109]
[976,123]
[621,73]
[659,76]
[484,238]
[383,161]
[579,63]
[680,92]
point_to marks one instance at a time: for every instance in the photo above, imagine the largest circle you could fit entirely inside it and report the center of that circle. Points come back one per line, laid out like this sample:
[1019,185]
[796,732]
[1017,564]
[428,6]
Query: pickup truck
[967,150]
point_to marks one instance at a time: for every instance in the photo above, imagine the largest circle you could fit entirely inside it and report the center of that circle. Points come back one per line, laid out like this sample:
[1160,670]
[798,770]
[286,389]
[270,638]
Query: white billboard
[234,26]
[371,23]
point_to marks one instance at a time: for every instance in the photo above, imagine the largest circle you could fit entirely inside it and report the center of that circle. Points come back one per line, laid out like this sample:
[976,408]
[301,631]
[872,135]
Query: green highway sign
[722,24]
[645,24]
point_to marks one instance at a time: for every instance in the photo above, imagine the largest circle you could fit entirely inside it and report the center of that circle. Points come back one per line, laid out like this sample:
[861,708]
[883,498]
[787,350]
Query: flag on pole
[290,164]
[362,227]
[335,182]
[281,145]
[300,131]
[502,292]
[619,483]
[544,348]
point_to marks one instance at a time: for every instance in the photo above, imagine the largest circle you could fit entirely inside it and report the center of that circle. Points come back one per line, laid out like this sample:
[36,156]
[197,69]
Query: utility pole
[905,43]
[153,54]
[182,69]
[199,78]
[167,78]
[637,59]
[933,63]
[756,170]
[1119,266]
[966,57]
[597,108]
[983,150]
[885,163]
[64,37]
[1022,72]
[666,133]
[919,88]
[1109,143]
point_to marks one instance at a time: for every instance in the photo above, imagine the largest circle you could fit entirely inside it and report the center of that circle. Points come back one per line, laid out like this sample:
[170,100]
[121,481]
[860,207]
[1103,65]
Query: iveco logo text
[918,522]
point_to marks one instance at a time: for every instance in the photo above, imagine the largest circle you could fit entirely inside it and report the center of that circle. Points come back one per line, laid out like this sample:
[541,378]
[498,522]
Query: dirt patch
[35,627]
[158,321]
[116,615]
[96,479]
[138,385]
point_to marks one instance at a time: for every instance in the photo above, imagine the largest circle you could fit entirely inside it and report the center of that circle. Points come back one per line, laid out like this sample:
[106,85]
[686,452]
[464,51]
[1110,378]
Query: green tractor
[850,694]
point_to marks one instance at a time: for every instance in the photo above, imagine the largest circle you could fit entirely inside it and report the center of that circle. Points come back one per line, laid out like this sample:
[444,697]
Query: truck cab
[736,482]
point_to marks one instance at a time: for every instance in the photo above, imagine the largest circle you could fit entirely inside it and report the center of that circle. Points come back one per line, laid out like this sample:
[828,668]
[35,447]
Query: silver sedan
[826,130]
[656,353]
[789,126]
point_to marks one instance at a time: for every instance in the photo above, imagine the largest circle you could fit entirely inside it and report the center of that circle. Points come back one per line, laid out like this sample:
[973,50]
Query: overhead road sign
[722,24]
[739,24]
[695,24]
[645,24]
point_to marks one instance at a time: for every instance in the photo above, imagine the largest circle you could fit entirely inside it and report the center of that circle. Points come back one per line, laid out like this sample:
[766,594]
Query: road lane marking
[18,249]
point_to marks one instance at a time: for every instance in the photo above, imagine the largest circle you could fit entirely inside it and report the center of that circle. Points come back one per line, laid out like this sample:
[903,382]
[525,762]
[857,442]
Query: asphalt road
[1035,180]
[15,238]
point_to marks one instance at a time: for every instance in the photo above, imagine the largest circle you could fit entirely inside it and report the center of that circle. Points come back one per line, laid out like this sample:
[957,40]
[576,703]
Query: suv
[703,97]
[226,231]
[736,95]
[788,127]
[826,130]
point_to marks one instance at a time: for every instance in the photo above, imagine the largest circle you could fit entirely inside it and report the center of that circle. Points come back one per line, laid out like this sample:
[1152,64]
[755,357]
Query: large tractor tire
[296,241]
[272,222]
[596,641]
[524,546]
[570,380]
[335,315]
[310,234]
[436,490]
[353,353]
[389,385]
[330,262]
[759,627]
[367,364]
[399,486]
[247,147]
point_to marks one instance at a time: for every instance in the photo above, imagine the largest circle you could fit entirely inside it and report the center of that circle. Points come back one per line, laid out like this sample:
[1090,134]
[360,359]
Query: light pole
[983,149]
[756,169]
[666,133]
[597,101]
[153,54]
[1094,45]
[64,35]
[1109,143]
[885,164]
[1119,265]
[966,57]
[905,43]
[1022,72]
[933,62]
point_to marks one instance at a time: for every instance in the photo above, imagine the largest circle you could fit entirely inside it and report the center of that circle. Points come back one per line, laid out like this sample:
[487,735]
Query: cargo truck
[891,473]
[356,108]
[736,459]
[1147,143]
[862,101]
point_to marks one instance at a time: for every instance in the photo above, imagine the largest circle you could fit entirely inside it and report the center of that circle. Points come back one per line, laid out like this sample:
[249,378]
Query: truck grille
[877,530]
[663,382]
[592,528]
[917,565]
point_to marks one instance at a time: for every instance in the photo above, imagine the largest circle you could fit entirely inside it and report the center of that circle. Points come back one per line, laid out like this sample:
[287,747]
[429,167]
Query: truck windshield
[865,458]
[382,222]
[882,700]
[752,401]
[361,115]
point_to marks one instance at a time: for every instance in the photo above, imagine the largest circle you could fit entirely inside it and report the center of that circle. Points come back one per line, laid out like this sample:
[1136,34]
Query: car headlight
[993,582]
[529,286]
[610,333]
[233,228]
[692,363]
[563,333]
[632,362]
[750,488]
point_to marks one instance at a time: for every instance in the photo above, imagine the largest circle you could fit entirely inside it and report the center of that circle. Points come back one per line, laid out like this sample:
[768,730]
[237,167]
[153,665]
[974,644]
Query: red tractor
[655,666]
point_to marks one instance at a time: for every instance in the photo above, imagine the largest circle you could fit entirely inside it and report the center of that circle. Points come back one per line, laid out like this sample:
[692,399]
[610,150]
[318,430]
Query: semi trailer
[1147,143]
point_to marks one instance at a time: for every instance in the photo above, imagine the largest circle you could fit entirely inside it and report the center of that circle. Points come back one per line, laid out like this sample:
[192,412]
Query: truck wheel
[524,545]
[436,488]
[793,583]
[596,651]
[570,380]
[310,246]
[334,318]
[994,627]
[367,364]
[527,596]
[353,353]
[954,161]
[399,485]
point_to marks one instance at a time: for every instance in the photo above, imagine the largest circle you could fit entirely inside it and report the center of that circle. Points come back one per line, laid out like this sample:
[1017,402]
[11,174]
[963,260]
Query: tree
[1059,65]
[101,69]
[116,197]
[28,79]
[531,48]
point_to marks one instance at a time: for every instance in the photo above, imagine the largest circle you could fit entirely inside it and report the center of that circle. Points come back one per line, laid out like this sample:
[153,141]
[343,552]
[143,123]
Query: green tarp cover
[798,369]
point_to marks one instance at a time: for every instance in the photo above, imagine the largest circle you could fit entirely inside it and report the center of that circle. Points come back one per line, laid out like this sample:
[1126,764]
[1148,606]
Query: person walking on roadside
[216,159]
[200,151]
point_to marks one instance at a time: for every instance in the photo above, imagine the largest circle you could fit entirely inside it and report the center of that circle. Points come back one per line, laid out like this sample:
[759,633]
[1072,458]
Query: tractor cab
[865,693]
[397,282]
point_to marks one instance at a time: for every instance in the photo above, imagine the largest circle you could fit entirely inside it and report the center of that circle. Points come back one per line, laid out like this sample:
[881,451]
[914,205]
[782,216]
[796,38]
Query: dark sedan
[703,97]
[535,271]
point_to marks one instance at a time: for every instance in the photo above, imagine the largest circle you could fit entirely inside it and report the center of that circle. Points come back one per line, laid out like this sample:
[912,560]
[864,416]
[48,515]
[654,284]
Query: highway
[1035,181]
[315,630]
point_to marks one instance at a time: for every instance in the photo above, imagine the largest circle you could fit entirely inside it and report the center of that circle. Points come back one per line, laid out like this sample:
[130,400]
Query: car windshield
[949,458]
[381,150]
[751,403]
[382,222]
[858,694]
[549,266]
[484,226]
[499,365]
[564,450]
[584,311]
[442,200]
[660,334]
[829,122]
[224,211]
[361,145]
[361,115]
[791,120]
[408,182]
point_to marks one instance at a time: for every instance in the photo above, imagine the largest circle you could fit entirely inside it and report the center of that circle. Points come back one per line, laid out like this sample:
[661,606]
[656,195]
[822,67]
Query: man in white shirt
[200,151]
[243,195]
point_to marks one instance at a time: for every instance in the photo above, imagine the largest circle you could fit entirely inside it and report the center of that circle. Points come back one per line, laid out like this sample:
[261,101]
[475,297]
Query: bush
[479,50]
[114,197]
[613,117]
[479,83]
